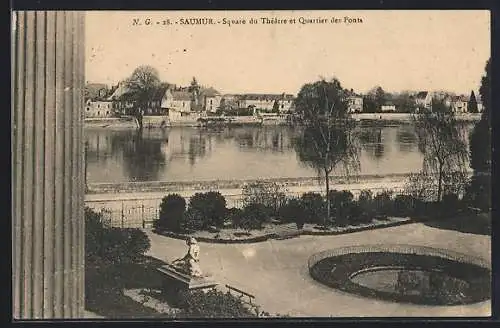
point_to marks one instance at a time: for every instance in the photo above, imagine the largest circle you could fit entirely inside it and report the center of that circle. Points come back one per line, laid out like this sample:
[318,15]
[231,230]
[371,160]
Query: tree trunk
[440,184]
[327,186]
[138,116]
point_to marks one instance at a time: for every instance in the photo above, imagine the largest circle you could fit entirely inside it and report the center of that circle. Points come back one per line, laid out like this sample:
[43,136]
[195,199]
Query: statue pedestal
[176,282]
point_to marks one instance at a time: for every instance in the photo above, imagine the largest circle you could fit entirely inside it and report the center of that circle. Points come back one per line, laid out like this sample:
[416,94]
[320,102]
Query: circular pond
[408,274]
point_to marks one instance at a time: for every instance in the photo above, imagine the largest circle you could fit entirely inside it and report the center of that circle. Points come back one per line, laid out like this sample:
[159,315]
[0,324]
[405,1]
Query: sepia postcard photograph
[177,165]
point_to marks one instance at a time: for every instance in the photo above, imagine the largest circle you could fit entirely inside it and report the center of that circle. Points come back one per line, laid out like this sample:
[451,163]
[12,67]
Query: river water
[236,153]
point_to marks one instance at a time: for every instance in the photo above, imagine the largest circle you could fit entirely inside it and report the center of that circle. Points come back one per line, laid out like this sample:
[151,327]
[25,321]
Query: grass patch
[479,224]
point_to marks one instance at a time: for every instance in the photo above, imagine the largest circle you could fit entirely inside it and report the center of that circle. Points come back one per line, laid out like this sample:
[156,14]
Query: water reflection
[406,138]
[179,154]
[143,157]
[273,139]
[372,141]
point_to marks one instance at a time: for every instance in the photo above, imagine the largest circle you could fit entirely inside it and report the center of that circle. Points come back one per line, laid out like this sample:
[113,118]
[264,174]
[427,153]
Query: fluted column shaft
[47,161]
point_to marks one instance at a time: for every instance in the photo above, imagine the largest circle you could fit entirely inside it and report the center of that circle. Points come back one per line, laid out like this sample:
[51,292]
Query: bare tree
[441,138]
[327,141]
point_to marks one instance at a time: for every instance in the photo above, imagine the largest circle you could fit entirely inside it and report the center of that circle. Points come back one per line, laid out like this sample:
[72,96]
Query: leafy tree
[480,138]
[441,140]
[327,141]
[222,106]
[321,100]
[480,148]
[142,84]
[378,97]
[276,106]
[472,105]
[369,105]
[194,88]
[404,102]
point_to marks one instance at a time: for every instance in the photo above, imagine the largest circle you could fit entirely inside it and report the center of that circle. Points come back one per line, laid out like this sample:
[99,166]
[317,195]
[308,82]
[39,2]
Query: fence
[399,248]
[140,213]
[130,216]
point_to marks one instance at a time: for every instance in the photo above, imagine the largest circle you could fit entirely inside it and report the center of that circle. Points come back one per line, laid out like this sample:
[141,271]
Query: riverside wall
[164,121]
[134,199]
[182,186]
[406,117]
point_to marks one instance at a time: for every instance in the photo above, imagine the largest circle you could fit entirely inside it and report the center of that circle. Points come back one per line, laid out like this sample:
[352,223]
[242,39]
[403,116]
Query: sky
[398,50]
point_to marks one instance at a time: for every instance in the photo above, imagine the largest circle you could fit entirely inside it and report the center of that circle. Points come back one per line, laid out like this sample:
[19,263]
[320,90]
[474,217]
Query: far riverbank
[164,122]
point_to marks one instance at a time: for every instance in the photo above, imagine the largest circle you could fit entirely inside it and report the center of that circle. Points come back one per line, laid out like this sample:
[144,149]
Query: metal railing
[242,294]
[130,216]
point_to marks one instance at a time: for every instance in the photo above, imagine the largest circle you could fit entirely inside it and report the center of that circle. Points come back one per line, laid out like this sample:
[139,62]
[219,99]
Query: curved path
[276,271]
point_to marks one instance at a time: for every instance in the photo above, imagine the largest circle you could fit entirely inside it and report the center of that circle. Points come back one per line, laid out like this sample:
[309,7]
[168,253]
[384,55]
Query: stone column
[47,164]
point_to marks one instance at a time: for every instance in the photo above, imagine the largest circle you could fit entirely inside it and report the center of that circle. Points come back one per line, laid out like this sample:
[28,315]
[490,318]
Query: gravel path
[276,271]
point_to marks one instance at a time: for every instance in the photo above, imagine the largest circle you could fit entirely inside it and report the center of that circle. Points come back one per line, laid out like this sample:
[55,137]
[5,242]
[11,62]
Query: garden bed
[271,231]
[406,274]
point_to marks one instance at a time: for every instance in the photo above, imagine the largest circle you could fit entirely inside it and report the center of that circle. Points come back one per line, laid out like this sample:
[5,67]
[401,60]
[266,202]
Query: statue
[190,262]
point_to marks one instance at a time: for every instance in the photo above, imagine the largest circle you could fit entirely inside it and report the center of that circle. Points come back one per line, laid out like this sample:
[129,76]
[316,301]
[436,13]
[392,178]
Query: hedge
[208,211]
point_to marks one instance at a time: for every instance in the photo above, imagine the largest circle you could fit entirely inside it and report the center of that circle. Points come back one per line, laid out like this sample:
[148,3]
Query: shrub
[300,221]
[94,233]
[293,211]
[213,304]
[271,195]
[340,204]
[234,215]
[383,203]
[253,216]
[212,207]
[366,206]
[404,205]
[365,198]
[290,210]
[313,206]
[478,192]
[117,245]
[450,204]
[125,245]
[172,210]
[193,220]
[422,209]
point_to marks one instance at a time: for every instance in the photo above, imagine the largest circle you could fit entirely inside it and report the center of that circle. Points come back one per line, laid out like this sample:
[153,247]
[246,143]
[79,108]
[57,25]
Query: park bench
[242,294]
